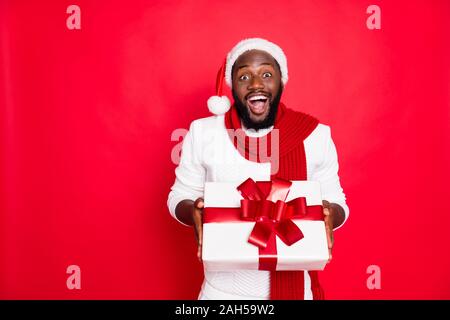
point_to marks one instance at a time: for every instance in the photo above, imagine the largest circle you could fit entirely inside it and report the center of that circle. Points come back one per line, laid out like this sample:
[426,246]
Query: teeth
[257,98]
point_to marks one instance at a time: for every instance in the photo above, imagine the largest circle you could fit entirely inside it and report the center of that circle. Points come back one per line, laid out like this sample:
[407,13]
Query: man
[256,71]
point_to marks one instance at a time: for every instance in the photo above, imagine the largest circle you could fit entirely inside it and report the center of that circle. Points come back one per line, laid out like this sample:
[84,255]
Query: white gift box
[226,246]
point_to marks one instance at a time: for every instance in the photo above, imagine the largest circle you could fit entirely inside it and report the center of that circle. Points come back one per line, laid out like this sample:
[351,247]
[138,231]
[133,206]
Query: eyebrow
[264,63]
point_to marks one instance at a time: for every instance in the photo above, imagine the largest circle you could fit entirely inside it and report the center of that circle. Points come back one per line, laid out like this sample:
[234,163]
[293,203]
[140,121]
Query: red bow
[272,214]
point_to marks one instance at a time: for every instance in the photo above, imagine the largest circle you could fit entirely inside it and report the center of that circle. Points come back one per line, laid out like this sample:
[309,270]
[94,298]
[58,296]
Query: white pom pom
[218,105]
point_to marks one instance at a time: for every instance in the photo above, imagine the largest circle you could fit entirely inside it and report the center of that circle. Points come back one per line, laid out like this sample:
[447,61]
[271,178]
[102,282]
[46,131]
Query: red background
[86,118]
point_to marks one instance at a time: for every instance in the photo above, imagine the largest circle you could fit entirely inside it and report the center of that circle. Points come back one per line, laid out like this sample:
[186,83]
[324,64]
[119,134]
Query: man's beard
[244,113]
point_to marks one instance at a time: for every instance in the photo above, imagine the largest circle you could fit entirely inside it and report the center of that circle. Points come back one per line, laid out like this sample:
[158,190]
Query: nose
[256,83]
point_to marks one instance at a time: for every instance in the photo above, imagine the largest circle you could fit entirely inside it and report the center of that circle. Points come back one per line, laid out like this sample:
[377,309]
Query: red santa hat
[220,104]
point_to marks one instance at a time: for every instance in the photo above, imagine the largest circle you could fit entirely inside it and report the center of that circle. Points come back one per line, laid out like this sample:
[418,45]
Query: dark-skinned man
[256,71]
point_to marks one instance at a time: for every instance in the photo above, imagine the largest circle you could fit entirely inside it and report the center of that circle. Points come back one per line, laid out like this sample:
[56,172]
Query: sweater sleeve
[189,174]
[327,174]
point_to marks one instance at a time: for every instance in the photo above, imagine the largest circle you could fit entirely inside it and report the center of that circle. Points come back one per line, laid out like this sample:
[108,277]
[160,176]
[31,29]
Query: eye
[244,77]
[267,74]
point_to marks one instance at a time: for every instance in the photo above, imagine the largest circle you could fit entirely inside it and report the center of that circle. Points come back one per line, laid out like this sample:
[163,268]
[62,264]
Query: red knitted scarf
[293,127]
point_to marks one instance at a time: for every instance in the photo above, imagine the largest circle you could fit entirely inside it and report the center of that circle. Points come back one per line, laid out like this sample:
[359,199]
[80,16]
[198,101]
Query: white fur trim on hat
[256,44]
[218,105]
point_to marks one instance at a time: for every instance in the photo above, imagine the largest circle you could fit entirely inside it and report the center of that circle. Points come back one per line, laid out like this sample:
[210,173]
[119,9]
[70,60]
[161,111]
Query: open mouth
[258,103]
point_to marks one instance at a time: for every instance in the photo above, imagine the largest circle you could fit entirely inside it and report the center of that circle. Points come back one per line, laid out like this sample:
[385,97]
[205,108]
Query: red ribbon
[265,203]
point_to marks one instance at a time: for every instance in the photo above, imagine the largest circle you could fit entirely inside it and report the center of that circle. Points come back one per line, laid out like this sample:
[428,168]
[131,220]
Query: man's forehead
[255,56]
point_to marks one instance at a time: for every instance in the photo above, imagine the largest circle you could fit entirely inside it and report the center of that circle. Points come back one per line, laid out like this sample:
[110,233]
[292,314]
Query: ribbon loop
[261,233]
[289,232]
[297,207]
[265,209]
[249,190]
[279,211]
[272,214]
[249,208]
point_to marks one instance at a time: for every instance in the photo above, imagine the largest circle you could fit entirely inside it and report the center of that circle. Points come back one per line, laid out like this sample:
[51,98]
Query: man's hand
[191,213]
[334,217]
[328,212]
[197,218]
